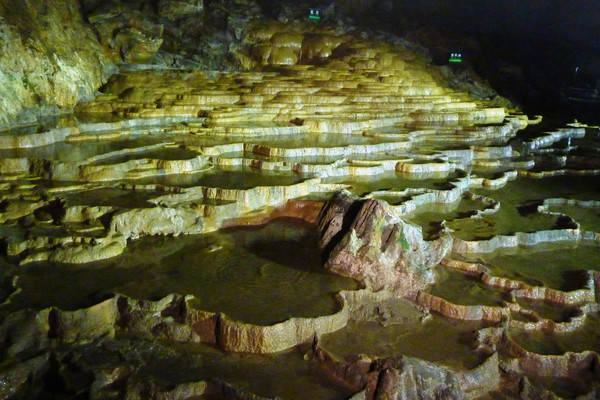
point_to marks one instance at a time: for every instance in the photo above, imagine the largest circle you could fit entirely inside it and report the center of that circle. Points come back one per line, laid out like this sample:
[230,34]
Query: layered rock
[189,152]
[408,378]
[174,10]
[405,377]
[368,241]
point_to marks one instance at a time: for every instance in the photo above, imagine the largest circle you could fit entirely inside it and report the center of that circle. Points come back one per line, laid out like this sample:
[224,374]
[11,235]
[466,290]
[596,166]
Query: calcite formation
[49,57]
[367,241]
[443,208]
[126,34]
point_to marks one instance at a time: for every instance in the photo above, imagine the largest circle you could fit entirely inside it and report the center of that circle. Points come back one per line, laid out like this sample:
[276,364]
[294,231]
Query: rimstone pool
[305,232]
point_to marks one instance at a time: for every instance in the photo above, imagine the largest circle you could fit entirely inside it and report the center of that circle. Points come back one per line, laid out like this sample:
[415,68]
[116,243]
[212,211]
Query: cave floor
[163,240]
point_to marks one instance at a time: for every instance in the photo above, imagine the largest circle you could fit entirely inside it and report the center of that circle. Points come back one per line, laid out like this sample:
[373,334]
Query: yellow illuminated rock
[436,247]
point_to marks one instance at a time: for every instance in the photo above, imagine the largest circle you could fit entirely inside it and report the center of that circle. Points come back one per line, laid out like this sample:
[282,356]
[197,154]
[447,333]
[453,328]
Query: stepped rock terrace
[349,227]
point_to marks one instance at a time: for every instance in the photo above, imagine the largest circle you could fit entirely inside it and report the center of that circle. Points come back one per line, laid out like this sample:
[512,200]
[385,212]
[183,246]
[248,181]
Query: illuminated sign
[455,58]
[314,14]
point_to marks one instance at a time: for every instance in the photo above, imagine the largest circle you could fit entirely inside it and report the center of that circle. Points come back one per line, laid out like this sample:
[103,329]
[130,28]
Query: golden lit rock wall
[48,56]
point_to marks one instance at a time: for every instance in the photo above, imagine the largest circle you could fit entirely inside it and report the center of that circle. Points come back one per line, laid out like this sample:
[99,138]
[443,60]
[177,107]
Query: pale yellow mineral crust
[321,114]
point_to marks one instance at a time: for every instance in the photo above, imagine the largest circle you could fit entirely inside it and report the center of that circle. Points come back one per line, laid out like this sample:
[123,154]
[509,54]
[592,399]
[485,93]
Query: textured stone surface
[368,241]
[414,379]
[169,152]
[49,56]
[177,9]
[409,378]
[128,34]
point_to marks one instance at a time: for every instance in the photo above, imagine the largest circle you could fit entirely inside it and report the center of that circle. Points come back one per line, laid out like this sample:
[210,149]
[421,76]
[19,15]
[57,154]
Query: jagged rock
[129,35]
[108,382]
[410,378]
[396,378]
[24,332]
[49,57]
[482,379]
[368,241]
[150,390]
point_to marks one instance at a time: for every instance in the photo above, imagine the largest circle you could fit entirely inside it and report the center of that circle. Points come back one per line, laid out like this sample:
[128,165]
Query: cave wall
[54,53]
[49,57]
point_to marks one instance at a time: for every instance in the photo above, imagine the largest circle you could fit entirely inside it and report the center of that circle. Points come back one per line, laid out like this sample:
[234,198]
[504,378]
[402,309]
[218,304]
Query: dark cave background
[527,49]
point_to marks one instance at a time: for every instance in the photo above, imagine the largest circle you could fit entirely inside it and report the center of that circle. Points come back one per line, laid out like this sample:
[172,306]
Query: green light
[314,14]
[455,58]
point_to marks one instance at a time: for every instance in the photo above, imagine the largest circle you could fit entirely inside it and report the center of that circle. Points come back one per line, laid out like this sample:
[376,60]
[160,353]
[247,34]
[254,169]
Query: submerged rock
[368,241]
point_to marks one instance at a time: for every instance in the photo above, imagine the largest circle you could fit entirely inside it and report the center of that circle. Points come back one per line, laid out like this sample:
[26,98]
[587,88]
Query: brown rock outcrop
[366,240]
[410,378]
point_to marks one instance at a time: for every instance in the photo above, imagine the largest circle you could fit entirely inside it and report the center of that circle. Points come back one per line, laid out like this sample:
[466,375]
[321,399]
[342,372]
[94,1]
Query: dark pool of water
[558,266]
[438,340]
[585,338]
[240,178]
[260,275]
[459,288]
[514,215]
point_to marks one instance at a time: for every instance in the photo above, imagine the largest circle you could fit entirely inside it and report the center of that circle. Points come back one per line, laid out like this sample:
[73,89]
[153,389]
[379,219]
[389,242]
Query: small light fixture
[314,14]
[455,58]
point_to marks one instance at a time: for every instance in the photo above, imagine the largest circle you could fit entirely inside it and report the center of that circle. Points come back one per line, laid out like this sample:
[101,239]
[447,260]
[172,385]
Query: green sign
[455,58]
[314,14]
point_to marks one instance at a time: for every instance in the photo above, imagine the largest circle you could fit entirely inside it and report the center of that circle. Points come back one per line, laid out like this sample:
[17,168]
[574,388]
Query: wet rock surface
[49,56]
[321,225]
